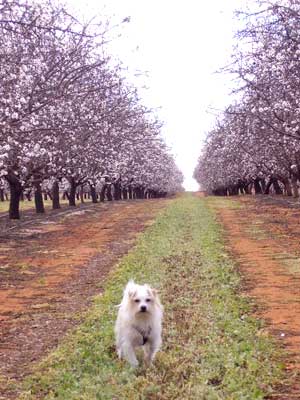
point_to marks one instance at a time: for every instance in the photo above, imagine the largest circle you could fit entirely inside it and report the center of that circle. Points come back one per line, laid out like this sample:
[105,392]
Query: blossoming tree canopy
[68,115]
[255,145]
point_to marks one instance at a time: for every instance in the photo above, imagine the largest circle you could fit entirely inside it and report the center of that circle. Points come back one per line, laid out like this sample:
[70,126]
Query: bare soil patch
[50,268]
[263,233]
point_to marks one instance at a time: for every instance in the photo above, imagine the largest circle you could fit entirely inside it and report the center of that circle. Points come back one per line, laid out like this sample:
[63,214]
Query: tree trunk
[247,188]
[102,193]
[55,196]
[1,194]
[233,191]
[268,185]
[142,192]
[273,181]
[108,193]
[15,195]
[93,194]
[277,187]
[81,194]
[38,198]
[257,186]
[138,194]
[72,195]
[295,186]
[130,194]
[263,185]
[287,187]
[124,194]
[117,190]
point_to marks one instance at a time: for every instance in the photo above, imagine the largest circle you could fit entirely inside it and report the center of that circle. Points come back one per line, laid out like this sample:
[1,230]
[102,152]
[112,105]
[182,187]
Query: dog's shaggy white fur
[138,323]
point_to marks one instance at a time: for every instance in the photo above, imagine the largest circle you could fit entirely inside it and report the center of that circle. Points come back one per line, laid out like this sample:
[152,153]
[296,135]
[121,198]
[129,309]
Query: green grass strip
[212,347]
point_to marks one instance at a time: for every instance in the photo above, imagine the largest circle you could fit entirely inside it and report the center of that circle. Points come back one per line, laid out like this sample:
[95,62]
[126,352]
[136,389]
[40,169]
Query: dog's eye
[137,300]
[147,300]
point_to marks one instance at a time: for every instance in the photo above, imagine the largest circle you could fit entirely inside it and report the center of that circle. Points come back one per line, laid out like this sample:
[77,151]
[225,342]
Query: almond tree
[67,115]
[264,128]
[43,51]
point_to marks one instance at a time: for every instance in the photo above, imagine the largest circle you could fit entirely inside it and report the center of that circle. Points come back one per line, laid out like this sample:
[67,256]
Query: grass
[212,348]
[28,205]
[224,202]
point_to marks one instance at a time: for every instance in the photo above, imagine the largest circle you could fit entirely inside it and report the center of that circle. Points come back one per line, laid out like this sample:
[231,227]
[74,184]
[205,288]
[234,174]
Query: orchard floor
[51,266]
[263,235]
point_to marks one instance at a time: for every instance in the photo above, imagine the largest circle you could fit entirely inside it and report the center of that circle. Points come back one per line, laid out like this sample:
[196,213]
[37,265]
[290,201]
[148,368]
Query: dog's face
[141,298]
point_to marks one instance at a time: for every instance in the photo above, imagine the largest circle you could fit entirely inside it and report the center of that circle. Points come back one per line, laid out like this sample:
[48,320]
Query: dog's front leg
[150,349]
[147,353]
[129,354]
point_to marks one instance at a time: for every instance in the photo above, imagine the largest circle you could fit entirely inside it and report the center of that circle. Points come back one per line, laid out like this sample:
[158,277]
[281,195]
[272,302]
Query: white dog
[138,323]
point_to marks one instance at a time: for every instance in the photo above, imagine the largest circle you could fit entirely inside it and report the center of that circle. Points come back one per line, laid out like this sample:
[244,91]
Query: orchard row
[68,117]
[255,144]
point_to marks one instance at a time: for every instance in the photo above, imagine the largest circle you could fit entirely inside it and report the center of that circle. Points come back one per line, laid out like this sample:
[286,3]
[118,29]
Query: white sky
[181,44]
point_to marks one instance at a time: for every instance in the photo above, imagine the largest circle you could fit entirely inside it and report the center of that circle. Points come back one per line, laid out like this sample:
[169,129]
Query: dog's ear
[131,293]
[152,292]
[130,289]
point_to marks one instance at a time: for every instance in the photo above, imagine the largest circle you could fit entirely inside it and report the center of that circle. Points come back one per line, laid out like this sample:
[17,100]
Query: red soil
[264,237]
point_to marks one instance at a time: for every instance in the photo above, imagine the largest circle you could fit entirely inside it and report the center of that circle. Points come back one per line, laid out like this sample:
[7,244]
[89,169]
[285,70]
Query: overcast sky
[181,44]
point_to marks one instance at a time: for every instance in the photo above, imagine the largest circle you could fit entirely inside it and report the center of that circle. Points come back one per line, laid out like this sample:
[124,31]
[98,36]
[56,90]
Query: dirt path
[264,236]
[49,270]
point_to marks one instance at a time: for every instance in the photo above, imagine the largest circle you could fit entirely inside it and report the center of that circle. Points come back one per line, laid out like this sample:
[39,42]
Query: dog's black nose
[143,308]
